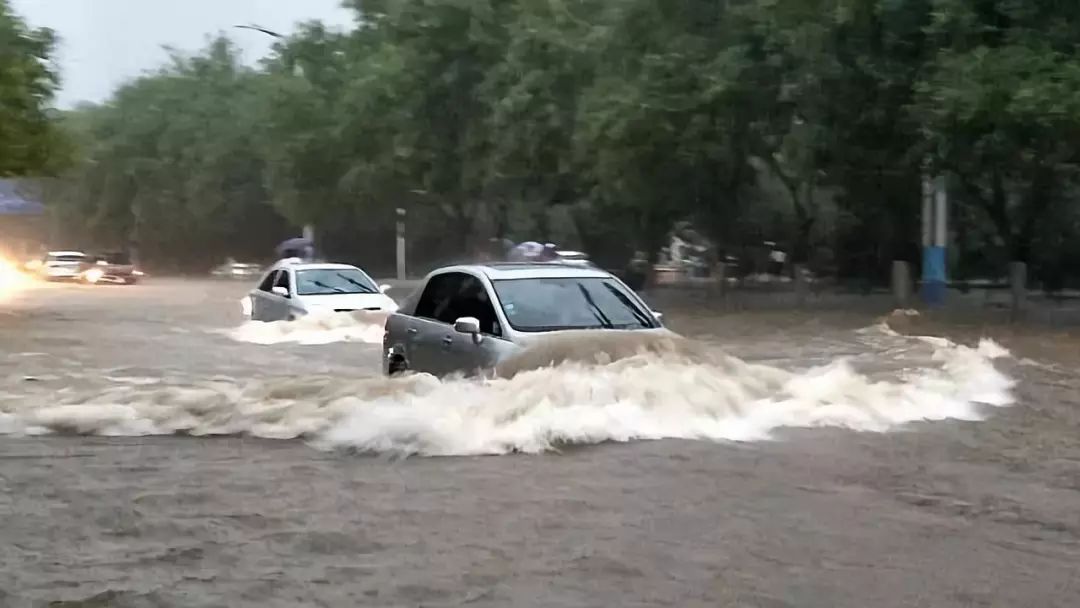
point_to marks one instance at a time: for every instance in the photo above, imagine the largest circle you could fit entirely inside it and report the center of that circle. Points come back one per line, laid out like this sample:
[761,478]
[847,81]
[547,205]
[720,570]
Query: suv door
[463,352]
[428,329]
[437,348]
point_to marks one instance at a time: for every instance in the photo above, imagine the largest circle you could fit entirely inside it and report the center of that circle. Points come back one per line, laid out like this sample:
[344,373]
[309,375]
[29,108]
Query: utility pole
[935,234]
[401,243]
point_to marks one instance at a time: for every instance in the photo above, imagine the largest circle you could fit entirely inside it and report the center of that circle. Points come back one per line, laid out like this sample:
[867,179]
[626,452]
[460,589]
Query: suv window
[268,280]
[450,296]
[440,289]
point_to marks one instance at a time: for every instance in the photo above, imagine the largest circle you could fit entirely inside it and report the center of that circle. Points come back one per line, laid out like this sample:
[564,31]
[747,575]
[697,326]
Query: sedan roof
[314,266]
[531,270]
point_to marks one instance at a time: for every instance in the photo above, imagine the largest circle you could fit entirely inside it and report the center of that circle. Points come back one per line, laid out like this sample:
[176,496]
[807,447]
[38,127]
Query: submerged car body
[469,319]
[113,267]
[292,289]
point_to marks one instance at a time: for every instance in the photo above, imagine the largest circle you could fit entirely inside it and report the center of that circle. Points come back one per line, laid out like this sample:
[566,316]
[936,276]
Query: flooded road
[802,460]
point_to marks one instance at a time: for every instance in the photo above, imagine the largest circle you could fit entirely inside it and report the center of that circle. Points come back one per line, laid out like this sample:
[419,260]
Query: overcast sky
[107,42]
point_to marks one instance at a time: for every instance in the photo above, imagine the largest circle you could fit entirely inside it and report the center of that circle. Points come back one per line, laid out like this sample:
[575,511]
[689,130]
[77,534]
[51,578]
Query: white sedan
[290,290]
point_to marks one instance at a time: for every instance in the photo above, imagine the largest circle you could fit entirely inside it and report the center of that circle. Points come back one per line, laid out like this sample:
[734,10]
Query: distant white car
[292,289]
[62,265]
[575,258]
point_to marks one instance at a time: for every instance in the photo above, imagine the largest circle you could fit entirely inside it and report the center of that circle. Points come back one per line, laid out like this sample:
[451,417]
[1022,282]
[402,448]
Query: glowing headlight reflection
[93,275]
[11,278]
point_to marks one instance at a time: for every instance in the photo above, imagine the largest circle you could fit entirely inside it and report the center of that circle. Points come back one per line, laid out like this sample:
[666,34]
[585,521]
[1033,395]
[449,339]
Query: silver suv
[468,319]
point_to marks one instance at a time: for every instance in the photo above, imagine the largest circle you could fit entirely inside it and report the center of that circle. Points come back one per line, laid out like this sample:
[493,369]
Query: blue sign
[14,203]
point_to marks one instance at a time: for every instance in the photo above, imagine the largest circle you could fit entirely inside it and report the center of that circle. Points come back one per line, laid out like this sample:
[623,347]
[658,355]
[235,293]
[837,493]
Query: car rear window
[117,258]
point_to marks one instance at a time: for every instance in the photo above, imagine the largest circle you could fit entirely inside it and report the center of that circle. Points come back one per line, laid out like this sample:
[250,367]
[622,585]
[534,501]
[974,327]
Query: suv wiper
[600,316]
[640,316]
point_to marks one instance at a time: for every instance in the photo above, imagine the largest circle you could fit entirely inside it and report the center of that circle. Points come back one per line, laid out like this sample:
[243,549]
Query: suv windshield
[329,281]
[570,303]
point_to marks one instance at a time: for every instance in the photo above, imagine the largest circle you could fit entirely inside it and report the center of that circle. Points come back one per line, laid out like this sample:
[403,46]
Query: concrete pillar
[1018,287]
[901,283]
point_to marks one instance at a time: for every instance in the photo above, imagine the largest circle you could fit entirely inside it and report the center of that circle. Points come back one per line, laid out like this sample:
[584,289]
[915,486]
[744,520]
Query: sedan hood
[349,301]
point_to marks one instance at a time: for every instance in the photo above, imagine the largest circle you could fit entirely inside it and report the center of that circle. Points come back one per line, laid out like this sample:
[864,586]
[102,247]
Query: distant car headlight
[93,275]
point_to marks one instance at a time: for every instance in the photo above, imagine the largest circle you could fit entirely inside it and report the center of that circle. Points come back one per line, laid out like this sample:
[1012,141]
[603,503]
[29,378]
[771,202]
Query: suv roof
[529,270]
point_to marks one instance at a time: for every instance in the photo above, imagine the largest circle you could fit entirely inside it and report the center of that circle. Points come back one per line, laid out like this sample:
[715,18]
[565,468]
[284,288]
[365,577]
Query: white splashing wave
[643,395]
[320,328]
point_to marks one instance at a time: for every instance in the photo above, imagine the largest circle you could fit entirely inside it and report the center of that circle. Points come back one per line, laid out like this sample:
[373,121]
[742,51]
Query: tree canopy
[601,124]
[30,144]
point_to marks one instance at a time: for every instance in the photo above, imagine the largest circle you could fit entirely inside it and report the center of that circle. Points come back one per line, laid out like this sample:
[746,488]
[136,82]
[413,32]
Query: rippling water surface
[158,451]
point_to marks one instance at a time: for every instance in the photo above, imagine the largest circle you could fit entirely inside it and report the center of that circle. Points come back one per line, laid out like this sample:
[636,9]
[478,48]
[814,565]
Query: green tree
[29,140]
[171,163]
[1001,112]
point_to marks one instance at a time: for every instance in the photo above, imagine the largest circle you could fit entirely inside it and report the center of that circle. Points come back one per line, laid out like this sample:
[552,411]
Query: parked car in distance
[468,319]
[575,258]
[290,290]
[61,265]
[237,270]
[112,267]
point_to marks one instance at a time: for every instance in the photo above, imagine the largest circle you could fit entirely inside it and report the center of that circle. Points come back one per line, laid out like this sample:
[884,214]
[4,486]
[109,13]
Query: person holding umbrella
[300,248]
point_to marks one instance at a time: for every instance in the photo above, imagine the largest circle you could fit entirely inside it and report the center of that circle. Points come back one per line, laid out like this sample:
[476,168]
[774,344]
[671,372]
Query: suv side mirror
[470,326]
[279,291]
[467,325]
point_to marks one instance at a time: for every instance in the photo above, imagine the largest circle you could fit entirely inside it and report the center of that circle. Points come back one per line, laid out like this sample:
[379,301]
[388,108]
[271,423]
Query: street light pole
[308,229]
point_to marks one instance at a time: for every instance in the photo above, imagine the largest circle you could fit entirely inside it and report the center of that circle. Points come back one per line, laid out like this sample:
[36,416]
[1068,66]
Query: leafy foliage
[810,122]
[29,141]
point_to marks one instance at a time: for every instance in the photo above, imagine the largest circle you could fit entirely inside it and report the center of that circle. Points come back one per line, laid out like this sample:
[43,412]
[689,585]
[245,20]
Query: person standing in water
[637,271]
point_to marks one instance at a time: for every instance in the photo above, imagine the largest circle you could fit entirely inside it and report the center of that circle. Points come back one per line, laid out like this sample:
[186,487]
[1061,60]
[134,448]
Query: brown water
[975,507]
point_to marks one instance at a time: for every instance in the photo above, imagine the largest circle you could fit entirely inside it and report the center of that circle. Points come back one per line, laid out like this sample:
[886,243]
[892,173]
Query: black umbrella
[294,245]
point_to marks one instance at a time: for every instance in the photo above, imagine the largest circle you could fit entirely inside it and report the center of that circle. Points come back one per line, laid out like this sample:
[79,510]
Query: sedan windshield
[329,281]
[570,303]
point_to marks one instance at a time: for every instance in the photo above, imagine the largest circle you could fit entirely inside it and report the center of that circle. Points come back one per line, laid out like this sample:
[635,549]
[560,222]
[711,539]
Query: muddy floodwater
[157,451]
